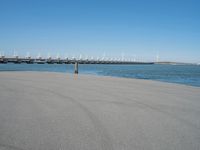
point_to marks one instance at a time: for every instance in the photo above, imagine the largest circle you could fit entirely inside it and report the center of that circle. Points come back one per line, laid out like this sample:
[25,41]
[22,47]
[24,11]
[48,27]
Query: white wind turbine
[122,56]
[27,55]
[66,56]
[104,56]
[15,55]
[58,56]
[134,58]
[157,57]
[48,56]
[39,56]
[73,57]
[2,54]
[86,57]
[80,57]
[92,58]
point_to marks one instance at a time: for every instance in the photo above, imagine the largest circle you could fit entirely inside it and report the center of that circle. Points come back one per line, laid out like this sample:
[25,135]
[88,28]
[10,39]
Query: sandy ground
[57,111]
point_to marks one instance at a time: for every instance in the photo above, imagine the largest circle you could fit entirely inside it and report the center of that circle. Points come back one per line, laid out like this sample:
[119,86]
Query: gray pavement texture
[58,111]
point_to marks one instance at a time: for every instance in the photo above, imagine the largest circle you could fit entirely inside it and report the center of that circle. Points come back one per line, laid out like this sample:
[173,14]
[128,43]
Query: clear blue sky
[142,28]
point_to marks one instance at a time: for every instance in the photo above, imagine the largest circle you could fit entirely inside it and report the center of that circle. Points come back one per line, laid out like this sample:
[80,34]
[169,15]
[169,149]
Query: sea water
[182,74]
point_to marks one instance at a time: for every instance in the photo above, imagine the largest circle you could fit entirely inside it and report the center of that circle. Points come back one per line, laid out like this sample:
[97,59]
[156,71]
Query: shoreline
[184,75]
[109,76]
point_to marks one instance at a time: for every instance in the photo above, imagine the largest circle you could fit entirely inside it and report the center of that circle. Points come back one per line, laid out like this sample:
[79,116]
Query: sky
[139,29]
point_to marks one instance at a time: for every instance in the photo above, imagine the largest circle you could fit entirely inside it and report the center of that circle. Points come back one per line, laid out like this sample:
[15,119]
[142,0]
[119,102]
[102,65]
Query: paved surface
[54,111]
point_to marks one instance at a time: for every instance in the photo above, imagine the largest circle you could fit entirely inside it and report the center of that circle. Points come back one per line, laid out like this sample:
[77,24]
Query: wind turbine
[15,55]
[104,55]
[48,56]
[58,56]
[122,56]
[73,57]
[92,58]
[27,55]
[2,54]
[86,57]
[134,58]
[157,57]
[39,56]
[66,56]
[80,57]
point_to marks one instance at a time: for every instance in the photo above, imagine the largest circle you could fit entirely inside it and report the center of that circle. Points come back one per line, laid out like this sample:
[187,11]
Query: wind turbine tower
[122,57]
[157,58]
[27,55]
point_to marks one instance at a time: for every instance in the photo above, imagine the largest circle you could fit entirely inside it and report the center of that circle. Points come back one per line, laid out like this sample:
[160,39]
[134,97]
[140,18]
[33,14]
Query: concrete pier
[55,111]
[68,61]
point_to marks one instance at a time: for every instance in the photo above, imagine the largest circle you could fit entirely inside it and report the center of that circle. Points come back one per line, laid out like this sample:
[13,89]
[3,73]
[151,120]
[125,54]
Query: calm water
[183,74]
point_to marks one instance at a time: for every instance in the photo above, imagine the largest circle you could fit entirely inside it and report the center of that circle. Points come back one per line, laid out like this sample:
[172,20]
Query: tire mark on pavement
[106,142]
[9,147]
